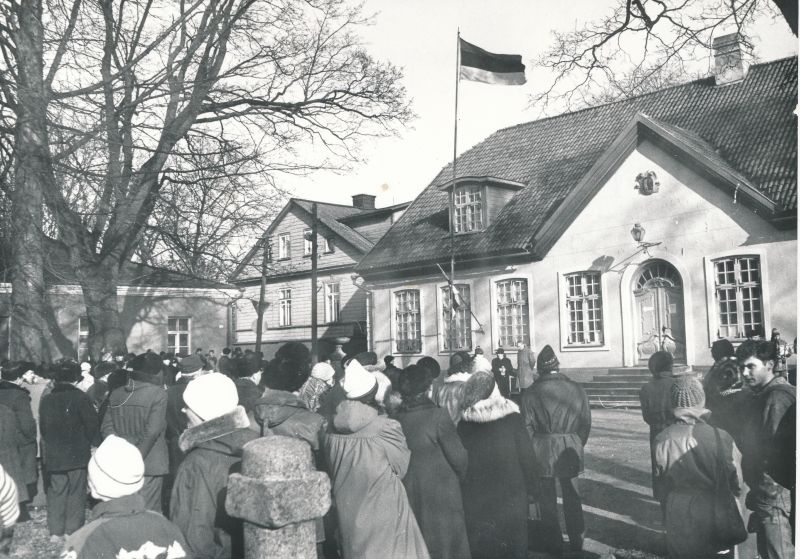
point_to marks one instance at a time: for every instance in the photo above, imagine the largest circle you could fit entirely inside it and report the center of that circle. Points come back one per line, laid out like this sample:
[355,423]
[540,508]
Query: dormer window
[469,208]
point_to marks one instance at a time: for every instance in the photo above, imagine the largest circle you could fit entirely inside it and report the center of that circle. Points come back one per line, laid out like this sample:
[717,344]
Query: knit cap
[547,360]
[323,371]
[191,364]
[358,382]
[116,469]
[687,392]
[211,396]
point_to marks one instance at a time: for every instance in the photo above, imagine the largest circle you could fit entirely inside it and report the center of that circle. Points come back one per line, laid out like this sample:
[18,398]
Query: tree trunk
[32,168]
[99,286]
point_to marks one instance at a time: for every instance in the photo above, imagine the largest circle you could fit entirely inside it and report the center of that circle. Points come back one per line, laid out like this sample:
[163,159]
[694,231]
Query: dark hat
[687,392]
[460,362]
[660,362]
[367,358]
[65,370]
[147,363]
[191,364]
[479,386]
[500,350]
[414,380]
[722,348]
[547,360]
[431,365]
[479,350]
[102,369]
[249,364]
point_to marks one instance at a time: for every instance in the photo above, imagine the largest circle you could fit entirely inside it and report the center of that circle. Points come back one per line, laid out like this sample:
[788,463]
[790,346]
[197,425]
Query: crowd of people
[423,462]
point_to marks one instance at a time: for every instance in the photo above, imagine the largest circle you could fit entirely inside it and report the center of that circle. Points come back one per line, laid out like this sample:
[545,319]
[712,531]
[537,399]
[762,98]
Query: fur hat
[211,395]
[116,469]
[547,360]
[147,363]
[478,350]
[478,387]
[65,370]
[249,364]
[460,362]
[660,362]
[722,348]
[190,364]
[323,371]
[431,365]
[687,392]
[414,380]
[358,382]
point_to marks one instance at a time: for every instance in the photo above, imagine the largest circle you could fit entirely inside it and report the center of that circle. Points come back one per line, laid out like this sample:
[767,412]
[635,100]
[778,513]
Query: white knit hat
[116,469]
[211,395]
[323,371]
[358,382]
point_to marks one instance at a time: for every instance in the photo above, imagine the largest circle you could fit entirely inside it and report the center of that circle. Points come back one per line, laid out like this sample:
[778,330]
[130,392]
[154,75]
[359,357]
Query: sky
[420,37]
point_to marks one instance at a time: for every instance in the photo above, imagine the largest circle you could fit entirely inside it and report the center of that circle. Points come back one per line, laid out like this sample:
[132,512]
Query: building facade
[665,221]
[344,235]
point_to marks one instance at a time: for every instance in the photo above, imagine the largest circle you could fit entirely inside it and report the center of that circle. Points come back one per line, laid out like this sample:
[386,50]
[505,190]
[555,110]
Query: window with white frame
[737,291]
[459,317]
[512,312]
[468,206]
[407,318]
[284,246]
[307,242]
[585,309]
[332,302]
[285,307]
[83,337]
[178,334]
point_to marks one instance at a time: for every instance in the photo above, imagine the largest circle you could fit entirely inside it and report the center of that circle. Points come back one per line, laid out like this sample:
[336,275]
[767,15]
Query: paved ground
[618,505]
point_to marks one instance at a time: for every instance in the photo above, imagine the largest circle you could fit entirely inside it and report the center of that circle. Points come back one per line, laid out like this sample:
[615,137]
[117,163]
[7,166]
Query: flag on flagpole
[479,65]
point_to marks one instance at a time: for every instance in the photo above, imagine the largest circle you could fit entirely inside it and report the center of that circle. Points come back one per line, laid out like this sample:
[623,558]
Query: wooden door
[658,295]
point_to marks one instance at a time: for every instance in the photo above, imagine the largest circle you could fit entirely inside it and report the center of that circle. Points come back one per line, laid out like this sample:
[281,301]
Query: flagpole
[451,341]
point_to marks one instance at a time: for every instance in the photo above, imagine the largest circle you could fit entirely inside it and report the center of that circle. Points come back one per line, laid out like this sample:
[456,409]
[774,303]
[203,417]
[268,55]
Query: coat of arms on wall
[647,183]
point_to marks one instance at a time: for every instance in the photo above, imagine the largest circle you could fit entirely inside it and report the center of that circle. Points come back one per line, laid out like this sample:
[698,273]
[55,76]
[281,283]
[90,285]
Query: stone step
[639,379]
[613,396]
[602,385]
[611,403]
[639,371]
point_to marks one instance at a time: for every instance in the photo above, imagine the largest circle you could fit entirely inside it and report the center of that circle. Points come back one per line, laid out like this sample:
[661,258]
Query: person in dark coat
[438,462]
[499,473]
[558,418]
[69,426]
[503,370]
[17,398]
[121,525]
[449,394]
[726,396]
[224,363]
[137,412]
[248,371]
[654,398]
[763,460]
[218,429]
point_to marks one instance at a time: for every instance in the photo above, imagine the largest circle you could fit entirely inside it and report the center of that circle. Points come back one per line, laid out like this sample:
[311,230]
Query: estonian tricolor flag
[479,65]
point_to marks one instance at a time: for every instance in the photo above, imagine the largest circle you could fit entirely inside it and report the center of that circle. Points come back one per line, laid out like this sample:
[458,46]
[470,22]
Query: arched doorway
[658,304]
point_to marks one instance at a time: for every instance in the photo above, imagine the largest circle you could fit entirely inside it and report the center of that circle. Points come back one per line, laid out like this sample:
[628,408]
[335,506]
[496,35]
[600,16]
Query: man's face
[757,373]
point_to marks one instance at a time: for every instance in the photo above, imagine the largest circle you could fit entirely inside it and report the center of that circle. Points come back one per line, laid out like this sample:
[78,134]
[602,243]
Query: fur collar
[214,429]
[491,409]
[458,377]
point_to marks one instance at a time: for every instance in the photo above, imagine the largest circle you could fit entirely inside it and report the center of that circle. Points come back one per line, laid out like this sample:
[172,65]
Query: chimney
[729,66]
[364,201]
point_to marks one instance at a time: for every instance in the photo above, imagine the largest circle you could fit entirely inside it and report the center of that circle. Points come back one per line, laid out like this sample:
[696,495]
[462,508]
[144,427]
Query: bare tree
[127,81]
[644,45]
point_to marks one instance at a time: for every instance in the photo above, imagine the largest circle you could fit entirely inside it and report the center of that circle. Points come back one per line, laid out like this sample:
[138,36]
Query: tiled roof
[329,214]
[749,126]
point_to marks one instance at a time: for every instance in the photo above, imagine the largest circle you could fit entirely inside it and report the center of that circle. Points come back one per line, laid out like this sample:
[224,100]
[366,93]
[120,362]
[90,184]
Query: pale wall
[692,218]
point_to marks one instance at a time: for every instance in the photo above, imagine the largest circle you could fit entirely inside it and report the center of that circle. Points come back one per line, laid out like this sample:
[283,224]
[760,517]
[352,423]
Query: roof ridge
[325,203]
[629,99]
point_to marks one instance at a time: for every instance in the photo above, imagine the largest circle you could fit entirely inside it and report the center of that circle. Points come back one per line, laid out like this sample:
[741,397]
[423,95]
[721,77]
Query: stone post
[279,495]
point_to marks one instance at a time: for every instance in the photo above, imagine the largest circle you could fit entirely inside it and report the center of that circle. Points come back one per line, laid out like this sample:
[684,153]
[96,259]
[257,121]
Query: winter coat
[137,412]
[367,458]
[248,393]
[225,365]
[499,478]
[97,393]
[176,421]
[19,400]
[526,367]
[312,391]
[503,371]
[10,458]
[329,402]
[688,460]
[438,461]
[480,363]
[762,419]
[558,418]
[69,428]
[656,404]
[450,395]
[213,451]
[282,413]
[125,528]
